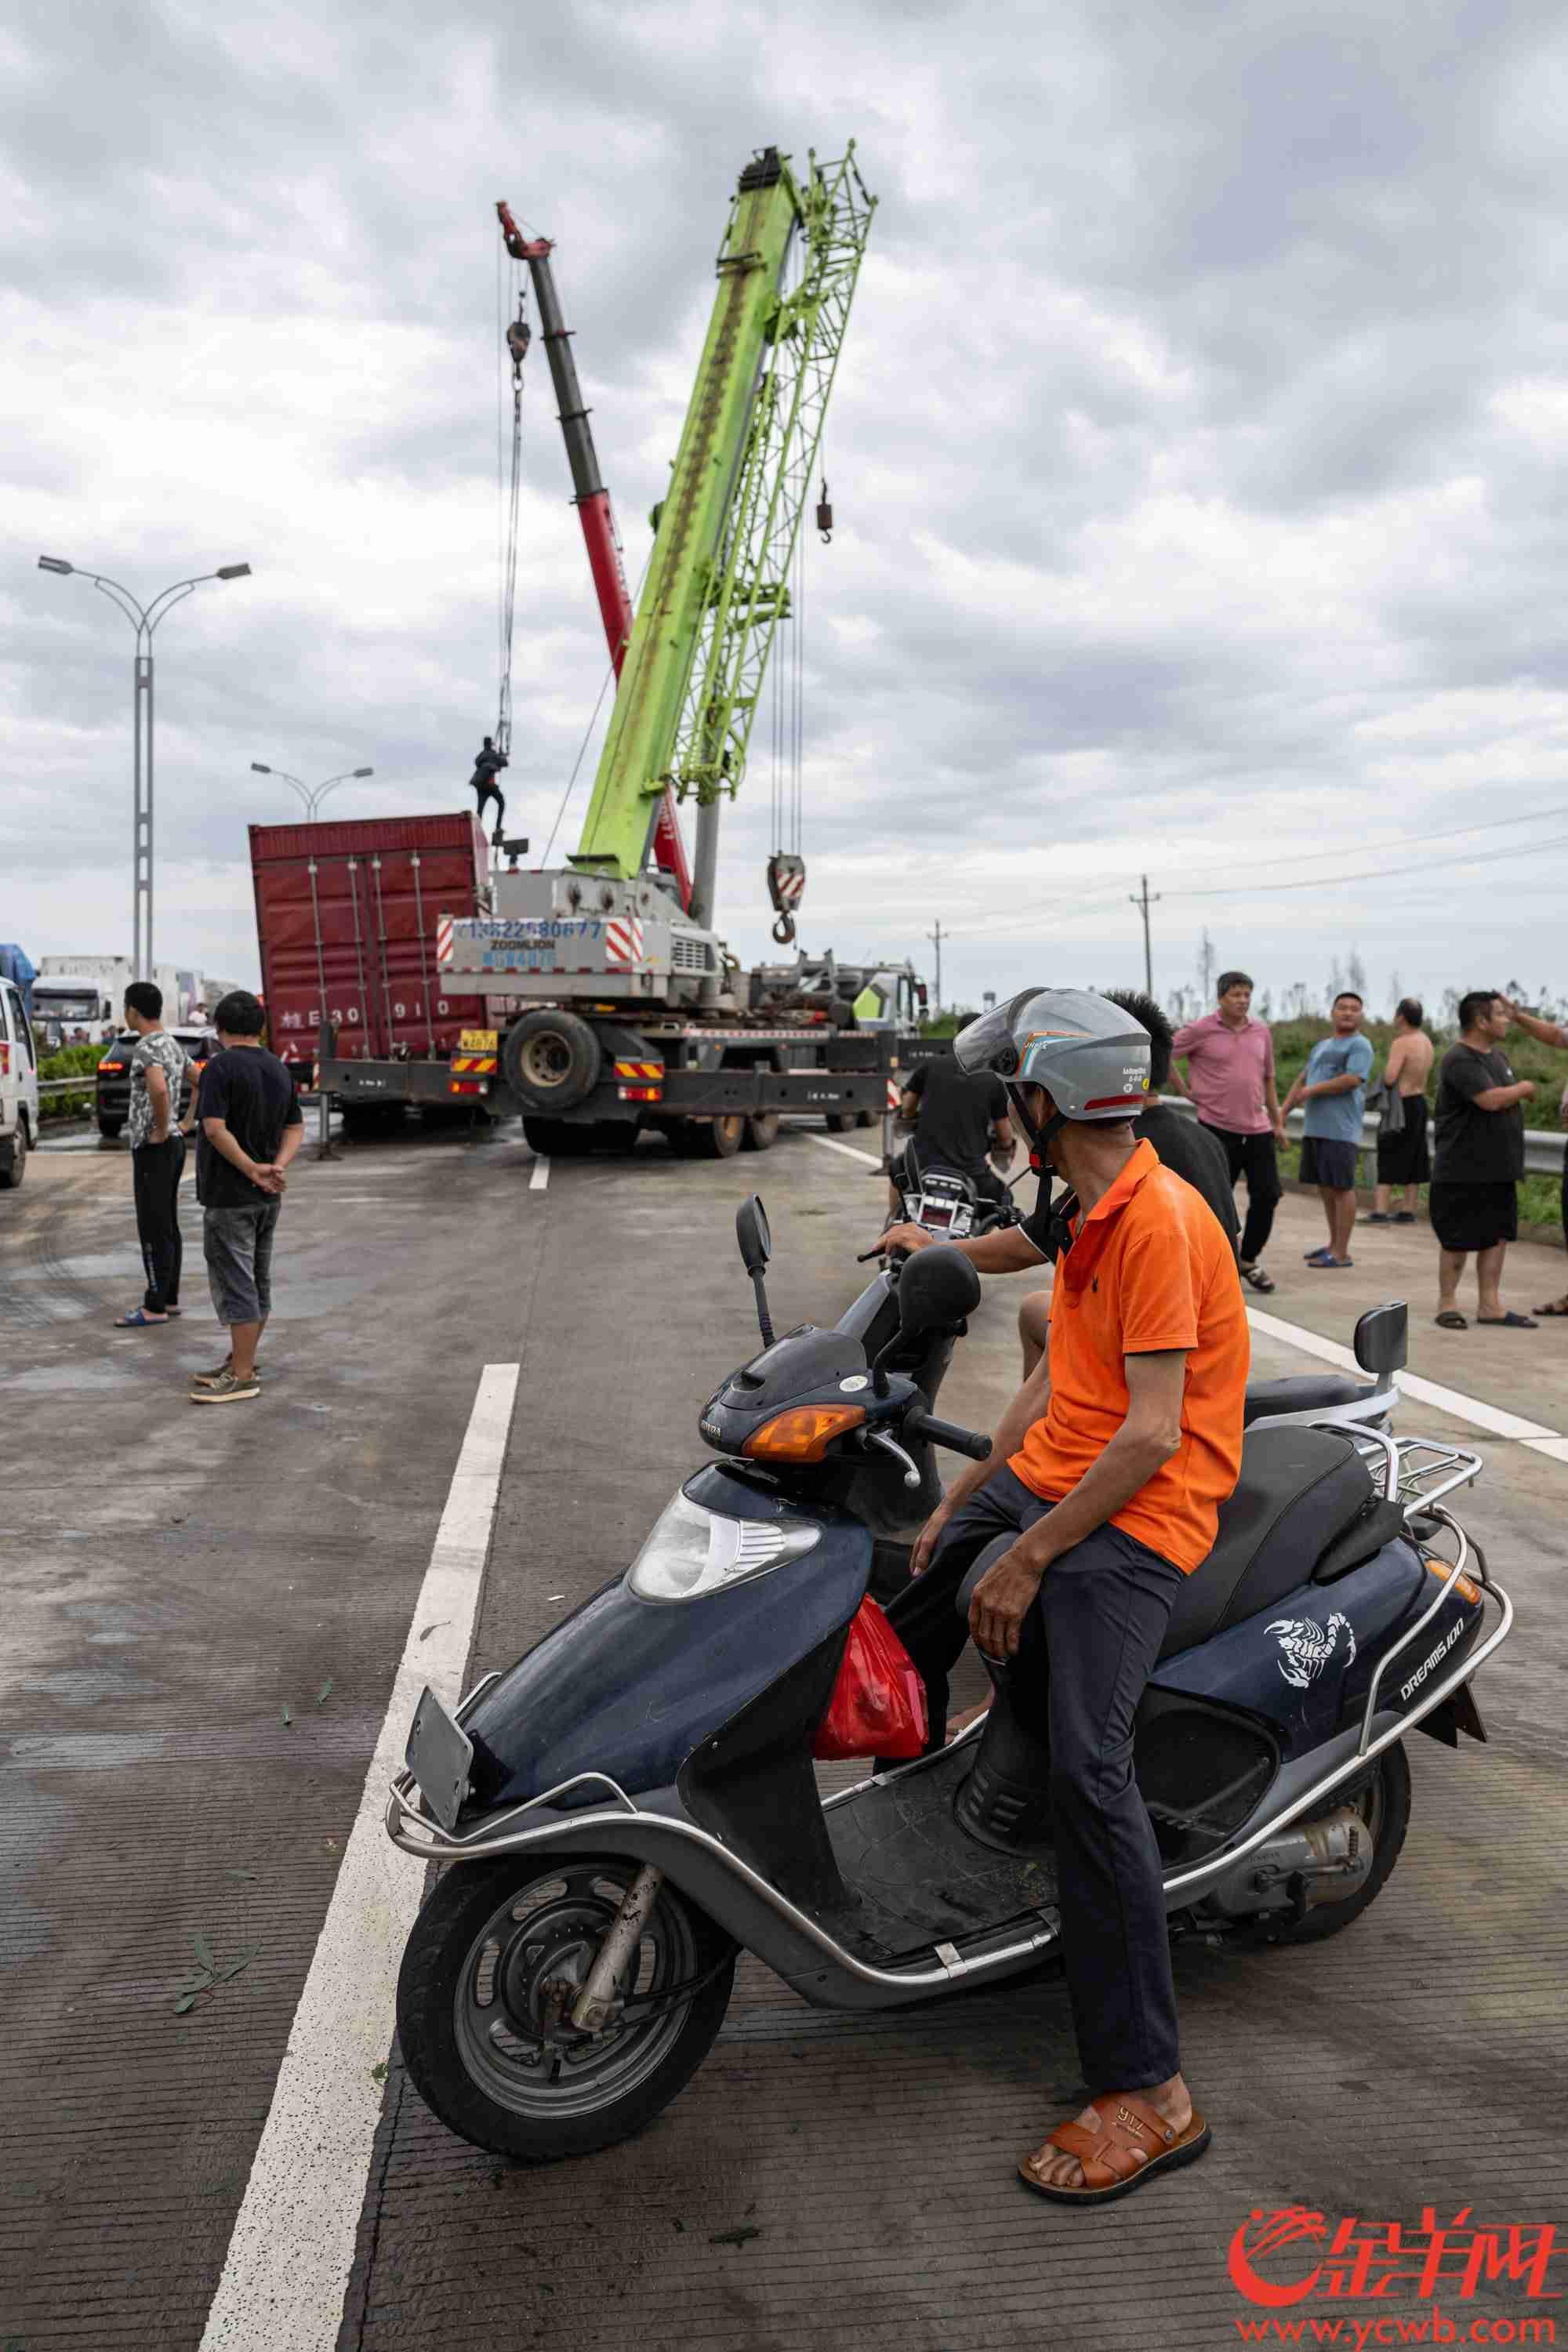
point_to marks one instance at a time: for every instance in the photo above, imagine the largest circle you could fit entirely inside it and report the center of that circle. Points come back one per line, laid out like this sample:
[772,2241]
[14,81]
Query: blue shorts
[1329,1163]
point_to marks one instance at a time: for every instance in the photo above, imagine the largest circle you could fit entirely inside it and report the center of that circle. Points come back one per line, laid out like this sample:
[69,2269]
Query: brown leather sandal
[1109,2157]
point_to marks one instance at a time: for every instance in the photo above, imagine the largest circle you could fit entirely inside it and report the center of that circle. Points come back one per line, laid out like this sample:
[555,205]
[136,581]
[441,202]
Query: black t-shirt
[251,1091]
[1476,1147]
[956,1115]
[1188,1149]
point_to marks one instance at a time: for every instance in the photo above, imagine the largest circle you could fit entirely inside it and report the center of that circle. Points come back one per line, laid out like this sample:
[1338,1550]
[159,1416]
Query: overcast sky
[1195,457]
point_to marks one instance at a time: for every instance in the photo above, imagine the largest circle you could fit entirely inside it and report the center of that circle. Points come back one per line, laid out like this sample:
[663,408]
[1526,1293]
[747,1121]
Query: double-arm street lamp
[311,794]
[143,619]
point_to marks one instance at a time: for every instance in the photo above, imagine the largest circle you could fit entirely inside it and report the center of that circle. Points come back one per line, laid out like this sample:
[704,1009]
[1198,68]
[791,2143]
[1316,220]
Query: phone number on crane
[529,930]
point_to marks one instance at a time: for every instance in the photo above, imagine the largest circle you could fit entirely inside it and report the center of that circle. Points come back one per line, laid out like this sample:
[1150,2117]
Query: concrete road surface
[181,1587]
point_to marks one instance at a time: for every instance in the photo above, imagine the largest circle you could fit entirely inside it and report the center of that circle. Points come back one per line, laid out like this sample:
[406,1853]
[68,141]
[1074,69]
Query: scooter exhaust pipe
[1323,1861]
[591,2009]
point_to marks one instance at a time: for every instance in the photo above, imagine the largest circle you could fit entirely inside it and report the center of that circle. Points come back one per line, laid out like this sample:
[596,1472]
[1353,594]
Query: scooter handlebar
[948,1434]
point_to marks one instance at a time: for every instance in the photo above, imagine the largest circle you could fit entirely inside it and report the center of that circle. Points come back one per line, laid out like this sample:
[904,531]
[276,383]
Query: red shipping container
[346,917]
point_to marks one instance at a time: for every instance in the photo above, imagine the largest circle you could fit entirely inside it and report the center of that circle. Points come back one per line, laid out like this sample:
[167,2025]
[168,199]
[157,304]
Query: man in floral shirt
[157,1154]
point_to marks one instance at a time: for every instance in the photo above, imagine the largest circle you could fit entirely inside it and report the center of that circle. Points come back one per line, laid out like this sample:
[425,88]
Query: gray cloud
[1195,449]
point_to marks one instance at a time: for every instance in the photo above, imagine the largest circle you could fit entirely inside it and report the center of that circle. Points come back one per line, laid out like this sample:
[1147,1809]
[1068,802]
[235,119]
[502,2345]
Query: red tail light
[111,1066]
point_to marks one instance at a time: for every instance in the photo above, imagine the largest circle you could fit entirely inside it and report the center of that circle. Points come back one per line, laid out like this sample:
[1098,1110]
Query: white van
[18,1087]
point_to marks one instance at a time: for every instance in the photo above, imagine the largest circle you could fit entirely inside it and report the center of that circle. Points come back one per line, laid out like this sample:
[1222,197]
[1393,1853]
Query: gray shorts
[237,1246]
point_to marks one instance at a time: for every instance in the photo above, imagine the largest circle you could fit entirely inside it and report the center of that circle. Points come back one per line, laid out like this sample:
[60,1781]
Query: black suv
[114,1075]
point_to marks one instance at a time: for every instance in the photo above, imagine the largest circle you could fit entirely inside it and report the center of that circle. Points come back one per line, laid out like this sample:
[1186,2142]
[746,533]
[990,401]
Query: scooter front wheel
[495,1962]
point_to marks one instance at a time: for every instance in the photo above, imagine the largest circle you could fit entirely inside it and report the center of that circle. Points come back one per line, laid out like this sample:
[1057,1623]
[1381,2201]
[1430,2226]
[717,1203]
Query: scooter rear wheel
[485,1990]
[1383,1804]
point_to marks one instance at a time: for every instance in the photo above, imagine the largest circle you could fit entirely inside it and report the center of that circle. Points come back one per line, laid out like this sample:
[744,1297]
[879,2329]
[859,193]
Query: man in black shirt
[1477,1162]
[249,1129]
[958,1119]
[488,766]
[1185,1147]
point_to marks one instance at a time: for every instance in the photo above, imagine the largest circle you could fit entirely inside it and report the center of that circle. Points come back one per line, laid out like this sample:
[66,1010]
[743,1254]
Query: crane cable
[515,335]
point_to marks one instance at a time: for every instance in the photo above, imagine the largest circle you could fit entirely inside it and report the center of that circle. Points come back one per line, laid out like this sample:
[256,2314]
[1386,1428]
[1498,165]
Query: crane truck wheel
[720,1138]
[838,1122]
[762,1131]
[551,1060]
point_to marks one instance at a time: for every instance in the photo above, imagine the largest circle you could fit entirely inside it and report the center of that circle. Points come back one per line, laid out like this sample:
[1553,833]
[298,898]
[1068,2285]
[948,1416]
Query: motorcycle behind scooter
[635,1801]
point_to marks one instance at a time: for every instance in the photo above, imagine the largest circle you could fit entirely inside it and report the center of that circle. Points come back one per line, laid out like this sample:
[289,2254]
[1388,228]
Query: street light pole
[143,619]
[311,794]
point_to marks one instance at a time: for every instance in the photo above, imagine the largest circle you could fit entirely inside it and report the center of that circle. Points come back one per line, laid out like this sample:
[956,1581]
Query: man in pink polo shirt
[1230,1078]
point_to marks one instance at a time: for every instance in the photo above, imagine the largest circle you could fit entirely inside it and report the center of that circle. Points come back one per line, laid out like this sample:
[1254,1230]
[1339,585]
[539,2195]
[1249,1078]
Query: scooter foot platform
[916,1878]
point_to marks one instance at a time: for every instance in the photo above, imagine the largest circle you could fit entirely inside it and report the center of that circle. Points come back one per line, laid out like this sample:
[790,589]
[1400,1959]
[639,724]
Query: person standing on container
[1402,1156]
[1230,1078]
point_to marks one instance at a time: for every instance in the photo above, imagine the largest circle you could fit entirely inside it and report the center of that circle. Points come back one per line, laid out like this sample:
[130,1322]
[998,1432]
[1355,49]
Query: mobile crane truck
[627,1009]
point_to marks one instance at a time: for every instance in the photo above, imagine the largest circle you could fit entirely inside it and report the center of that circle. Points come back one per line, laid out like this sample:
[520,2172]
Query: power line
[1376,873]
[1393,841]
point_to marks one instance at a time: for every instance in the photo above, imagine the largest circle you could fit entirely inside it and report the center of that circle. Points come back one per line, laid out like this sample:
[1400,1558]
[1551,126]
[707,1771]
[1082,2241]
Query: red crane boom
[591,501]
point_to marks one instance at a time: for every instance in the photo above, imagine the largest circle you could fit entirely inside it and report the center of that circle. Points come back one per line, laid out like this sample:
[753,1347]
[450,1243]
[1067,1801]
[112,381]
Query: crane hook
[825,515]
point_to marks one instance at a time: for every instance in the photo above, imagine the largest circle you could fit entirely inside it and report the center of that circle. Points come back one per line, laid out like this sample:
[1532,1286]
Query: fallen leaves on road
[209,1972]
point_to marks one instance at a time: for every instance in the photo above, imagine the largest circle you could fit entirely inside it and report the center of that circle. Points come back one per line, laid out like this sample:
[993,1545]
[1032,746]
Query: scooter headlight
[691,1551]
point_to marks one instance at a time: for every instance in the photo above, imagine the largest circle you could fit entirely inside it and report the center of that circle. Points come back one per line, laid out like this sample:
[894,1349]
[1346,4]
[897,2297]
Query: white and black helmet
[1091,1057]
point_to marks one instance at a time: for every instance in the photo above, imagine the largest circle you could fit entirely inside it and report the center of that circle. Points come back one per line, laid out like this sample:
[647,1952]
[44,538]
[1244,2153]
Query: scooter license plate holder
[438,1754]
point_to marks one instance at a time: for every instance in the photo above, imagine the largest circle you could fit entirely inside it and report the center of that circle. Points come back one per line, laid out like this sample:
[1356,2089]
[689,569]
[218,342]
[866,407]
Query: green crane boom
[717,581]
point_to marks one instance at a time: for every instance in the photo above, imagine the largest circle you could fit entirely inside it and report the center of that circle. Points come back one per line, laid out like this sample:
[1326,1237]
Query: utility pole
[935,937]
[1144,902]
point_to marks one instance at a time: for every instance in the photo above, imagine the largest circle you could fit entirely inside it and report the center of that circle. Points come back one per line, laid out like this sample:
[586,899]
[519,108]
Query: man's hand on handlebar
[906,1237]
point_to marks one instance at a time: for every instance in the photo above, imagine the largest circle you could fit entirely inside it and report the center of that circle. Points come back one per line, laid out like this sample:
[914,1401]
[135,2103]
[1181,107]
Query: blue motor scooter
[635,1801]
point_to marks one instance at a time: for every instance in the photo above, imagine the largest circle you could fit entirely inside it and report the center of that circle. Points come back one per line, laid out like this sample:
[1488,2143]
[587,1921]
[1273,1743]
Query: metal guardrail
[1544,1149]
[85,1083]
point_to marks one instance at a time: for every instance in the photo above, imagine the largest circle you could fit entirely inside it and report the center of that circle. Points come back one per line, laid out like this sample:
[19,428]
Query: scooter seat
[1306,1392]
[1300,1490]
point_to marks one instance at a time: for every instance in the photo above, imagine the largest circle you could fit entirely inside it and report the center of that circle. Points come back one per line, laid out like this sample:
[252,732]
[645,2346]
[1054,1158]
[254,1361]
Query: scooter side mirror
[937,1285]
[752,1233]
[1381,1338]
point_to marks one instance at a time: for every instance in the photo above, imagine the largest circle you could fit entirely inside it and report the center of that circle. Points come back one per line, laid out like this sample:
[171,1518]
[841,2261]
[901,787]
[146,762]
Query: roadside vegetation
[67,1064]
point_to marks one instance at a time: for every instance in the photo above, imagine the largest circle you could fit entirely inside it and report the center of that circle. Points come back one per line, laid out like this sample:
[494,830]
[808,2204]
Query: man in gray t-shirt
[1334,1087]
[157,1154]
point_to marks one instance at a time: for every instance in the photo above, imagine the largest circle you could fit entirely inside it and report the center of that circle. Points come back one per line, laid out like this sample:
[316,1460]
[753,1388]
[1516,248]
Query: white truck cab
[18,1087]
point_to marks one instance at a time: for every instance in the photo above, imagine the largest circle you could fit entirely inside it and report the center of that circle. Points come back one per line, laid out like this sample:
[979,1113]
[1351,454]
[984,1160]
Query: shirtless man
[1403,1157]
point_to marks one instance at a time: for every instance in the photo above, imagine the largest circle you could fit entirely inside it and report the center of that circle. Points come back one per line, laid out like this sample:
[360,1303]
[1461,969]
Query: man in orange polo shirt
[1116,1454]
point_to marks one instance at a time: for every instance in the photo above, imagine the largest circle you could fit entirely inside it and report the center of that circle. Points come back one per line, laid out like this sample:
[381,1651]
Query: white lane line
[1554,1448]
[541,1176]
[831,1144]
[288,2264]
[1490,1417]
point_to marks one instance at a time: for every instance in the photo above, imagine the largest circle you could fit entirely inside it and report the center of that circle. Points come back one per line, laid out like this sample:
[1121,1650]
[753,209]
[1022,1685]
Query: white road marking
[831,1144]
[541,1176]
[1554,1448]
[288,2258]
[1490,1417]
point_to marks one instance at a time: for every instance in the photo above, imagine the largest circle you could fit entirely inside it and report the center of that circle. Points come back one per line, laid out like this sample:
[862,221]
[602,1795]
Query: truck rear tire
[721,1138]
[762,1131]
[838,1122]
[551,1060]
[110,1128]
[864,1118]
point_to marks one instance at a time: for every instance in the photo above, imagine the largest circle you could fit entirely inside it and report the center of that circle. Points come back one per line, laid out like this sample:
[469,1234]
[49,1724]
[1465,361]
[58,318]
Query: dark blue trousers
[1087,1650]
